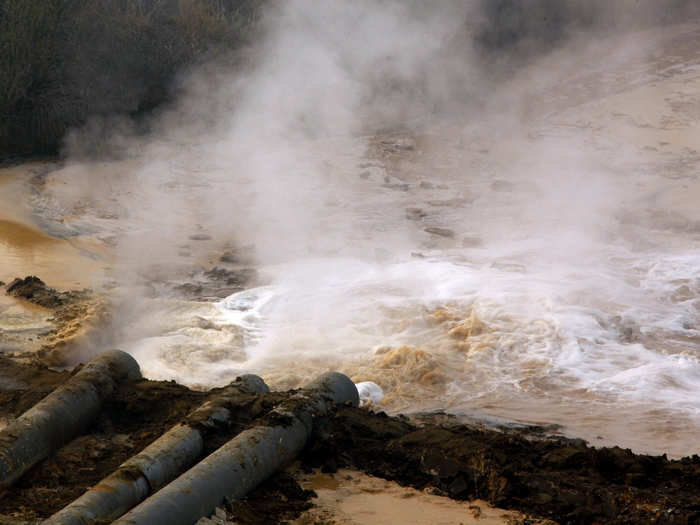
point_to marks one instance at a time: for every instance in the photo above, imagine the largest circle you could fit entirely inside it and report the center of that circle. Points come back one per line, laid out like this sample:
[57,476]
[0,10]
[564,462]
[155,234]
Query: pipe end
[123,365]
[252,383]
[336,387]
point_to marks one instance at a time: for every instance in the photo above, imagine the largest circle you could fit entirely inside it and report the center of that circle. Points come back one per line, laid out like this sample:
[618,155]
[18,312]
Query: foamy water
[561,288]
[463,337]
[604,338]
[538,263]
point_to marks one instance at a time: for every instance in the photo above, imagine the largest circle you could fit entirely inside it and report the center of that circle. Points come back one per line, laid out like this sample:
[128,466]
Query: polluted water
[520,247]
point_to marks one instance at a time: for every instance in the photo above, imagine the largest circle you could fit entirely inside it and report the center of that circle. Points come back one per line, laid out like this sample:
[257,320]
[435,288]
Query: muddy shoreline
[544,477]
[518,468]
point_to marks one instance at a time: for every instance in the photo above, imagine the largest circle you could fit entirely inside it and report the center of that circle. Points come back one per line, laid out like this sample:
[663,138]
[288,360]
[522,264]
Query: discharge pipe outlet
[62,415]
[248,459]
[159,463]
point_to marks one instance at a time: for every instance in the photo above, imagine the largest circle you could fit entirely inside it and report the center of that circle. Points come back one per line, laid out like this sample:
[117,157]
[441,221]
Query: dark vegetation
[63,61]
[527,27]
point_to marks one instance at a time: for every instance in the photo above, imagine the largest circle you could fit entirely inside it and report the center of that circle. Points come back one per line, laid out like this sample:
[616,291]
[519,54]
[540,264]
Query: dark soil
[216,283]
[556,478]
[35,290]
[22,386]
[547,477]
[276,501]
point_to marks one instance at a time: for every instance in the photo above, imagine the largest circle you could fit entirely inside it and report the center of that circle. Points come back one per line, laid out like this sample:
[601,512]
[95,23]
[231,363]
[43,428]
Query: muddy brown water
[352,498]
[26,250]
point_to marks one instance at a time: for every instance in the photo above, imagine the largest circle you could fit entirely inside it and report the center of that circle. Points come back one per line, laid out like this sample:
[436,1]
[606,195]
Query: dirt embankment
[559,479]
[556,478]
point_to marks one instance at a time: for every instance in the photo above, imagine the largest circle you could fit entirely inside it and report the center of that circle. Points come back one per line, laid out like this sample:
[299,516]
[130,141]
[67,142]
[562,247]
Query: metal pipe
[248,459]
[159,463]
[62,415]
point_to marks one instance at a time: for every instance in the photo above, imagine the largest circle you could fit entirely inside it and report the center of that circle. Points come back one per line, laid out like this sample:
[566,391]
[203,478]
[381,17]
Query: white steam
[459,241]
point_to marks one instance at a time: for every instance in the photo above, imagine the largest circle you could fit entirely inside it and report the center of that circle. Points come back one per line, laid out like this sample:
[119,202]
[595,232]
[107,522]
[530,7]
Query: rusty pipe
[159,463]
[245,461]
[62,415]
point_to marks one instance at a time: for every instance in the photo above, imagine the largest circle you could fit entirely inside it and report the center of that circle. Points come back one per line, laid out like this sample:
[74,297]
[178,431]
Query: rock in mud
[75,314]
[452,203]
[200,237]
[217,283]
[242,255]
[440,232]
[415,214]
[398,186]
[661,220]
[191,290]
[669,220]
[35,290]
[229,258]
[231,277]
[472,242]
[683,293]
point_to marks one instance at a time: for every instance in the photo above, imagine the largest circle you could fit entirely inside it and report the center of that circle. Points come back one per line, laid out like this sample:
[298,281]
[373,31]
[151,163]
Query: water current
[547,275]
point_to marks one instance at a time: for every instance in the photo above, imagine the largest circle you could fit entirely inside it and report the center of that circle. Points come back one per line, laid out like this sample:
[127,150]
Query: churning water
[545,273]
[544,299]
[540,265]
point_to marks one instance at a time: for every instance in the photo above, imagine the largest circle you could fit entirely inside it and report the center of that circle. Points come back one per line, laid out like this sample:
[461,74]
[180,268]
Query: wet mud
[70,316]
[524,469]
[547,477]
[349,497]
[33,289]
[216,283]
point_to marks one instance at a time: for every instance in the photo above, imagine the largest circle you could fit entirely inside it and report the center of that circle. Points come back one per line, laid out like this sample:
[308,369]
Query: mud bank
[556,478]
[50,324]
[551,478]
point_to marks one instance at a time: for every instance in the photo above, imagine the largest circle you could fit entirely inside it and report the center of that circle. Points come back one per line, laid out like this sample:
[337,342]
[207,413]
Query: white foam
[369,392]
[596,333]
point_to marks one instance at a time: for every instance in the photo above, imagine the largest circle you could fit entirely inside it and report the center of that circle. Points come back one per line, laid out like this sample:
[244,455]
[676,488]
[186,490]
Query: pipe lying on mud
[62,415]
[247,460]
[159,463]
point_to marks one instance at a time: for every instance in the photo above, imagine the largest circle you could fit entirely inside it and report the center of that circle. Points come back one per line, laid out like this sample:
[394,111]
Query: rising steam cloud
[245,143]
[239,155]
[393,163]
